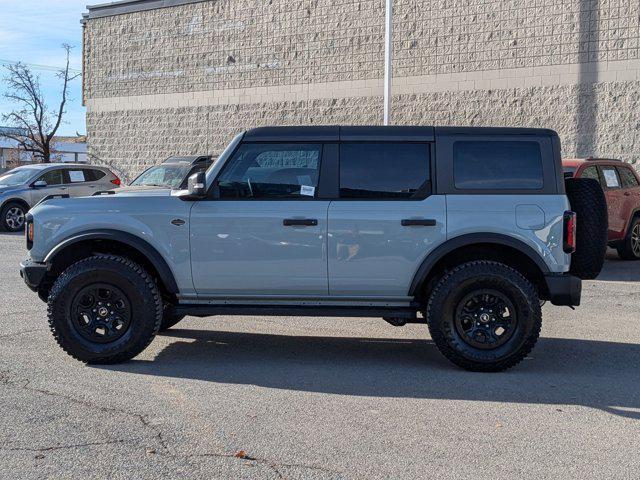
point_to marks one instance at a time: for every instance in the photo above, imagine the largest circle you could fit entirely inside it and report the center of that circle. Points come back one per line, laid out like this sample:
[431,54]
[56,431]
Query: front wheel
[104,309]
[484,316]
[12,217]
[629,249]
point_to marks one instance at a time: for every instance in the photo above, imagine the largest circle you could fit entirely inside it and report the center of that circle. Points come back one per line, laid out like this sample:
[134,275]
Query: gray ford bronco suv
[468,230]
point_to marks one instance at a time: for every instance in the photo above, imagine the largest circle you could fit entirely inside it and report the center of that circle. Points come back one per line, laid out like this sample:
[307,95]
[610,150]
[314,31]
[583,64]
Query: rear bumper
[564,289]
[33,273]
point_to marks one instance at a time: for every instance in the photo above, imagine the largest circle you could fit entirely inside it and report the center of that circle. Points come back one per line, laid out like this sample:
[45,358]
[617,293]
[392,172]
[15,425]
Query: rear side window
[629,180]
[384,170]
[497,165]
[611,178]
[272,171]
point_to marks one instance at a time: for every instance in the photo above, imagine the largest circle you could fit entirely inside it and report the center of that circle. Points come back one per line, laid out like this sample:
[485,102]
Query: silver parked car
[23,187]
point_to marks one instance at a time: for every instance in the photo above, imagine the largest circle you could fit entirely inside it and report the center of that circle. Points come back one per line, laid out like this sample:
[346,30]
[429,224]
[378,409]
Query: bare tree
[35,123]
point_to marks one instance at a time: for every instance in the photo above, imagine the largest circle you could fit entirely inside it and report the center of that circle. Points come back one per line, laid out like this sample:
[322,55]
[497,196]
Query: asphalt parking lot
[323,398]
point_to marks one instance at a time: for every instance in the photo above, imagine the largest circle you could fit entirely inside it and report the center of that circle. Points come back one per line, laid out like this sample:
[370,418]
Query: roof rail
[593,159]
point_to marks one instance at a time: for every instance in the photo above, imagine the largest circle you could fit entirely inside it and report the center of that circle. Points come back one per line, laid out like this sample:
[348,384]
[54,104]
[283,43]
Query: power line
[39,67]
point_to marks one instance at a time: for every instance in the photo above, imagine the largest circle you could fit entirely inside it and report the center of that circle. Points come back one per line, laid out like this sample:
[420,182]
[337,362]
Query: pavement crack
[275,466]
[25,384]
[59,447]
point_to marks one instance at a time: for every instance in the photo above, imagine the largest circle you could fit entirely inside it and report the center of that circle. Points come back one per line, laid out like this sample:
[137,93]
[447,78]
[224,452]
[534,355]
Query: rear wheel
[629,249]
[104,309]
[484,316]
[12,217]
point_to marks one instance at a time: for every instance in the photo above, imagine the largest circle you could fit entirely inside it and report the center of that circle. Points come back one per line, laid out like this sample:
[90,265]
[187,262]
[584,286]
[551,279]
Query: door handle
[626,194]
[418,222]
[300,222]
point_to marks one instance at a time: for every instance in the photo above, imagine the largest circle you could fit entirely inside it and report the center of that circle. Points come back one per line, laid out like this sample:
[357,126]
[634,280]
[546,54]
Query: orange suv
[621,185]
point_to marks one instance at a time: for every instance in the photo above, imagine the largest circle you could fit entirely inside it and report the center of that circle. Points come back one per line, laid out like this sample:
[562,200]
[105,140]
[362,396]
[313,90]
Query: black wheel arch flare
[144,247]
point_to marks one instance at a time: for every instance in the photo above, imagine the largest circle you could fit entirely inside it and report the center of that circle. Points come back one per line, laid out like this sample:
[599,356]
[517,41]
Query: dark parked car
[621,185]
[173,172]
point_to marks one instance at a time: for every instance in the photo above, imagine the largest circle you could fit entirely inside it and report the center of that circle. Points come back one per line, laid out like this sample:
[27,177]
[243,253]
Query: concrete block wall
[185,79]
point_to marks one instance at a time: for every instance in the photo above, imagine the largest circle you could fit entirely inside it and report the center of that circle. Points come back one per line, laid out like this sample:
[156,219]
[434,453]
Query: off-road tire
[3,217]
[169,319]
[588,201]
[122,273]
[452,289]
[625,248]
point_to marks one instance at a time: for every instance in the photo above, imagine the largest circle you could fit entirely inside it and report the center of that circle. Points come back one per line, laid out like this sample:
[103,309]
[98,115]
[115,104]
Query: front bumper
[564,289]
[33,273]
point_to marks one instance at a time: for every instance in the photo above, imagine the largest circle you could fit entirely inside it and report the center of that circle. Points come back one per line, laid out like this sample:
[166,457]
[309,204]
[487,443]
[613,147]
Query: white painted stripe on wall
[553,75]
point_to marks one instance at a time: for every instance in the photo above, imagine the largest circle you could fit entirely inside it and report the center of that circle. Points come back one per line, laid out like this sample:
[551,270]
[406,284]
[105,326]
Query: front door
[385,222]
[265,232]
[56,185]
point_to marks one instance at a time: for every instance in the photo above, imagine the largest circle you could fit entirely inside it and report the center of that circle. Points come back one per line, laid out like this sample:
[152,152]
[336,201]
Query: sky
[32,32]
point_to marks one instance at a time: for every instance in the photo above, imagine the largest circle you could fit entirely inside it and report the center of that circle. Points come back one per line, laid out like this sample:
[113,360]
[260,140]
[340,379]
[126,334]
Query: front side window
[165,175]
[384,170]
[272,171]
[590,172]
[497,165]
[611,179]
[53,177]
[629,180]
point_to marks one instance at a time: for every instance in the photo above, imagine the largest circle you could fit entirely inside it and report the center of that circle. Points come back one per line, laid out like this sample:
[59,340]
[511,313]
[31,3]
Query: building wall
[185,79]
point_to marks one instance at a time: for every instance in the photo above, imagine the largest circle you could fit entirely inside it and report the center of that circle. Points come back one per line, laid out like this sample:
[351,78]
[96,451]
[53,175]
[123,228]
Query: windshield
[168,176]
[17,176]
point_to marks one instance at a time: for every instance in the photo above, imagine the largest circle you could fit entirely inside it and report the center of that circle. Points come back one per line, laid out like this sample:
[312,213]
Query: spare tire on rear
[588,201]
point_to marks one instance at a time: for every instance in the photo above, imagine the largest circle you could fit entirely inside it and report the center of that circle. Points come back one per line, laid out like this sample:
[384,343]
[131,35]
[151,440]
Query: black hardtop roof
[187,159]
[380,133]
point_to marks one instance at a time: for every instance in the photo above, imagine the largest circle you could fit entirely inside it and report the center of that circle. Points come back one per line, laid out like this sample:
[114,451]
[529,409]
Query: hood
[142,190]
[9,188]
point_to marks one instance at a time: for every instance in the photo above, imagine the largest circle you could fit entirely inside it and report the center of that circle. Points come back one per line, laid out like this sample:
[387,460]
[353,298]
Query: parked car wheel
[104,309]
[629,249]
[12,217]
[484,316]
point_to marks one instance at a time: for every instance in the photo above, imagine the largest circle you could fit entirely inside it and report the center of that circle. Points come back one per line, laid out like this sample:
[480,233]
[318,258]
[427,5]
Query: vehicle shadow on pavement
[617,270]
[602,375]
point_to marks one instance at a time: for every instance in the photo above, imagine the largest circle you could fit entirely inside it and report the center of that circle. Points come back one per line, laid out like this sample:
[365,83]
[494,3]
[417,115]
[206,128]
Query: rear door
[79,182]
[615,200]
[385,221]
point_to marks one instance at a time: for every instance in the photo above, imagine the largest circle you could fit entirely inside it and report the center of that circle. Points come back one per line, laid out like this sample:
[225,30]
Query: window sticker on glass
[307,191]
[610,178]
[76,175]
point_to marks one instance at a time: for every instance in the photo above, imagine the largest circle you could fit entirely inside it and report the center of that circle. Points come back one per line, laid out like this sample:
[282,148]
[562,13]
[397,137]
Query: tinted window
[497,165]
[590,172]
[611,179]
[53,177]
[383,170]
[272,171]
[629,180]
[77,175]
[92,175]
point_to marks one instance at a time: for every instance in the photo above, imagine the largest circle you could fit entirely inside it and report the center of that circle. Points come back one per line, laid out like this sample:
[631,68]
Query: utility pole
[388,47]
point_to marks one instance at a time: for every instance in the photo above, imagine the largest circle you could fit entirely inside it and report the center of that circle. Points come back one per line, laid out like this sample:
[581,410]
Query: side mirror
[197,185]
[40,184]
